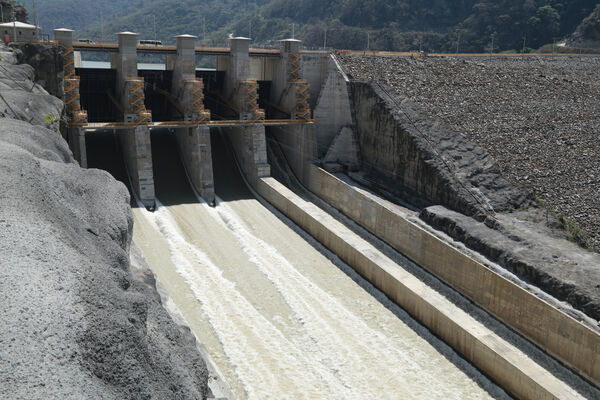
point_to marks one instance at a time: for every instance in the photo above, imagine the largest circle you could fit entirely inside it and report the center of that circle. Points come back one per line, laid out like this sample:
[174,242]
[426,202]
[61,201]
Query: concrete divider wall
[77,145]
[560,335]
[137,152]
[299,145]
[505,364]
[195,151]
[250,147]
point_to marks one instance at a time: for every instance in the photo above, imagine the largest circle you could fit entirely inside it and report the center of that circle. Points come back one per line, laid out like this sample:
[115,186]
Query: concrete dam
[260,206]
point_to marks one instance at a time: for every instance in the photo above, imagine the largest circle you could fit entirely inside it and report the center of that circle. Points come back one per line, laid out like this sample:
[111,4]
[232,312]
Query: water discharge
[279,318]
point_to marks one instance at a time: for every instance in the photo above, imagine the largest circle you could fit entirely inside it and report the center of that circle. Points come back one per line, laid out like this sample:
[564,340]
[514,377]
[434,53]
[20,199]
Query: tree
[544,25]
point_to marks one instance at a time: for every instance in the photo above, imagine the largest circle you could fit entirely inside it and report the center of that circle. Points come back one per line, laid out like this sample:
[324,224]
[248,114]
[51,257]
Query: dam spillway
[277,311]
[278,317]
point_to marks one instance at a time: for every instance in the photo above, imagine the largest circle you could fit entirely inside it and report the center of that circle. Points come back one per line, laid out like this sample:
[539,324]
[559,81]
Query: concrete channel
[279,315]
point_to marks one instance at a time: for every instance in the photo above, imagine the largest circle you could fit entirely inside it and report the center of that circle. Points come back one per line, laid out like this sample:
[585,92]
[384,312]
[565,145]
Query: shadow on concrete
[171,184]
[229,185]
[104,152]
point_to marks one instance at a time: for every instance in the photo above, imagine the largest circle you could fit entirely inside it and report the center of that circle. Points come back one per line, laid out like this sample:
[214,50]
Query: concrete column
[238,67]
[76,138]
[137,152]
[185,61]
[248,141]
[77,57]
[135,142]
[195,151]
[64,36]
[185,87]
[125,61]
[194,142]
[280,90]
[75,135]
[170,62]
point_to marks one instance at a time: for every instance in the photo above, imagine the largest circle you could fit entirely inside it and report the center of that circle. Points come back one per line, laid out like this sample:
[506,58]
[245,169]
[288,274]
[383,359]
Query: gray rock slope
[405,151]
[75,323]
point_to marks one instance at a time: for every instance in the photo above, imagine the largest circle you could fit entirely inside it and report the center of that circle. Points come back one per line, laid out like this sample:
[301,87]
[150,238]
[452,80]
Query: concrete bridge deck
[170,49]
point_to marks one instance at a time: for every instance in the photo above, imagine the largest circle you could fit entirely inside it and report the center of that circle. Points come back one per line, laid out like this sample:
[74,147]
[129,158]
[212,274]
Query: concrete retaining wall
[555,332]
[505,364]
[332,111]
[137,152]
[195,151]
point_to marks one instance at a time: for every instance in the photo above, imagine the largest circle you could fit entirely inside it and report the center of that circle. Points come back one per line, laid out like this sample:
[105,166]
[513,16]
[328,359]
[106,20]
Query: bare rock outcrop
[76,322]
[538,117]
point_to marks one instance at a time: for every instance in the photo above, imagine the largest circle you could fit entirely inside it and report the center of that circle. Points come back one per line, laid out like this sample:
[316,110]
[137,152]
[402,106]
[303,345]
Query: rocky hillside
[588,32]
[8,7]
[77,322]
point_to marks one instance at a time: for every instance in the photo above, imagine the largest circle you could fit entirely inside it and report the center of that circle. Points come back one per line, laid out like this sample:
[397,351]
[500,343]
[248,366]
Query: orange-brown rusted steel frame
[176,124]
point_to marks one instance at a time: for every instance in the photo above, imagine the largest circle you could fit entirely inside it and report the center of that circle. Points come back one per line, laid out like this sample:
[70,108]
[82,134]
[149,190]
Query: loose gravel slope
[539,117]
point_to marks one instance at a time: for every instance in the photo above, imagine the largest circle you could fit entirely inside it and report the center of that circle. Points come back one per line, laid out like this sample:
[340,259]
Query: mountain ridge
[396,25]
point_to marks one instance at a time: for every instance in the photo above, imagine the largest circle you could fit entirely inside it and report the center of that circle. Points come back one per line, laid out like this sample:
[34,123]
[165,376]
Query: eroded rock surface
[523,243]
[76,324]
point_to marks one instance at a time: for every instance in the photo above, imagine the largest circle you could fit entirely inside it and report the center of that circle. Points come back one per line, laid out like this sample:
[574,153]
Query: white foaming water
[266,362]
[323,349]
[364,360]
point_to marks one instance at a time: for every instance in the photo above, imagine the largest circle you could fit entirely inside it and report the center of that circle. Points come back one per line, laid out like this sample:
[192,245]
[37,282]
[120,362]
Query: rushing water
[279,318]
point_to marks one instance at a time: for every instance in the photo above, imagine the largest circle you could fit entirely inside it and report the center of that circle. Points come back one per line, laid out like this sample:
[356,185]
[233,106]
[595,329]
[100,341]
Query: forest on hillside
[428,25]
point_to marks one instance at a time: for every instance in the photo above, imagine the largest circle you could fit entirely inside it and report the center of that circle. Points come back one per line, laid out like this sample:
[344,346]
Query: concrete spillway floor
[278,317]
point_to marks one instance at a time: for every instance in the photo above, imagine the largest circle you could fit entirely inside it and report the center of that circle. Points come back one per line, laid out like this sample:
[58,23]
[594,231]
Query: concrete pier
[248,141]
[193,142]
[250,148]
[238,66]
[76,139]
[137,152]
[289,91]
[135,141]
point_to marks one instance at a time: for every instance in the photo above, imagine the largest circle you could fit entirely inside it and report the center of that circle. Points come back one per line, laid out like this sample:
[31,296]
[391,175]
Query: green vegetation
[428,25]
[50,120]
[589,29]
[575,233]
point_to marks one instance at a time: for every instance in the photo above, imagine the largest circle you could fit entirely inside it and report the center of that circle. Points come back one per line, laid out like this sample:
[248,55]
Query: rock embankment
[416,158]
[76,323]
[539,117]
